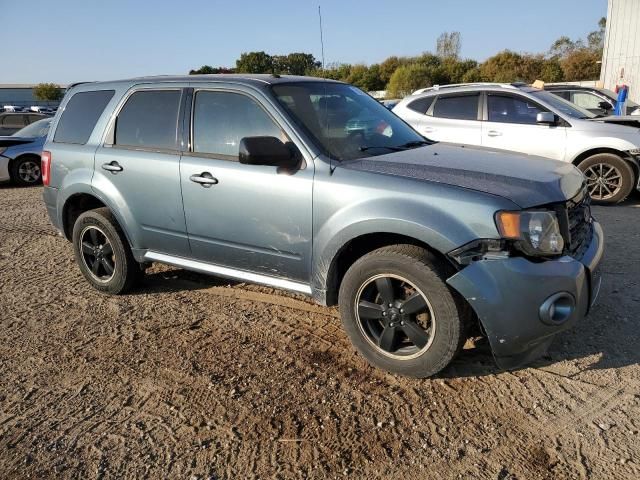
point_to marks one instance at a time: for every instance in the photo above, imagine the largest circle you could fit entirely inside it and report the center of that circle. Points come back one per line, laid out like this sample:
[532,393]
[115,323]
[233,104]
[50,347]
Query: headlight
[534,232]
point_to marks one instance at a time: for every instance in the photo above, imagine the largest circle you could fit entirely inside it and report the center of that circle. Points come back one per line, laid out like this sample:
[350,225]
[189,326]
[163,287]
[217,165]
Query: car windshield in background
[36,129]
[344,121]
[562,105]
[614,96]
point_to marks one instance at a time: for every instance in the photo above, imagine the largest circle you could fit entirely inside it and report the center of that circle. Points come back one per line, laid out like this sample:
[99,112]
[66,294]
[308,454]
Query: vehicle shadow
[178,280]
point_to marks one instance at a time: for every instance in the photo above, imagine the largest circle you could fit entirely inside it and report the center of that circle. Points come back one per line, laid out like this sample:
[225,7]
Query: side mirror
[546,118]
[606,106]
[266,151]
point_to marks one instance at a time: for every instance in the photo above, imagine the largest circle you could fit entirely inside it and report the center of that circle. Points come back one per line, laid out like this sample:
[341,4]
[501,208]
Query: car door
[510,124]
[253,218]
[453,118]
[138,167]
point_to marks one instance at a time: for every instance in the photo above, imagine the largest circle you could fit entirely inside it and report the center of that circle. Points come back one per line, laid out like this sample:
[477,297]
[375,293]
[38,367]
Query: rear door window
[510,109]
[149,119]
[586,100]
[459,107]
[80,116]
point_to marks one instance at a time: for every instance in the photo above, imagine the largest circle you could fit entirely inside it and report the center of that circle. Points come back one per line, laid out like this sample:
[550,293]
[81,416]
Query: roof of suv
[248,79]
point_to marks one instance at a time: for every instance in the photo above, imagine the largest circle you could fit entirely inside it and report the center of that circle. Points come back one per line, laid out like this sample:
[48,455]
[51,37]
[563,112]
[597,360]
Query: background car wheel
[399,313]
[609,178]
[26,170]
[103,253]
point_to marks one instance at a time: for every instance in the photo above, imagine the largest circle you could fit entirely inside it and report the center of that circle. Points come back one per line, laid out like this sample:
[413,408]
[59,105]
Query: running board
[188,264]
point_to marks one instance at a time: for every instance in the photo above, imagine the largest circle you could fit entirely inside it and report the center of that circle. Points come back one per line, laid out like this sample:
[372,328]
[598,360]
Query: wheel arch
[359,246]
[623,155]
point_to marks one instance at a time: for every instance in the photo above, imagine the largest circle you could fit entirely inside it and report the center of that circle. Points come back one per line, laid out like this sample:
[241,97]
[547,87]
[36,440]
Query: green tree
[208,69]
[456,70]
[297,63]
[581,64]
[48,92]
[508,66]
[595,40]
[255,62]
[408,78]
[551,71]
[448,45]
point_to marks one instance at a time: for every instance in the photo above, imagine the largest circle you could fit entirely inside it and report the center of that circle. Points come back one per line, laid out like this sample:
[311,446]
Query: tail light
[45,166]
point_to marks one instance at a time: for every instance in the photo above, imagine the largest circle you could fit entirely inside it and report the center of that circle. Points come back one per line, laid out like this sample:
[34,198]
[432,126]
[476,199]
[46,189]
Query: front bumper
[507,295]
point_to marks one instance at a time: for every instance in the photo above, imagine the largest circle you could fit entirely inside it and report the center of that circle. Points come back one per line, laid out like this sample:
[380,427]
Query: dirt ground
[198,378]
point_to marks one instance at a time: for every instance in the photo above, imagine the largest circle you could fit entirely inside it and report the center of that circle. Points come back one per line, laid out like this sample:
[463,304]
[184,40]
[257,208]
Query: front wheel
[399,313]
[609,178]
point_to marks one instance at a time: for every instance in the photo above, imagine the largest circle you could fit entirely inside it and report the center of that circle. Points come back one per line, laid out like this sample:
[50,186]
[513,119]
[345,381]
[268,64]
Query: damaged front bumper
[522,304]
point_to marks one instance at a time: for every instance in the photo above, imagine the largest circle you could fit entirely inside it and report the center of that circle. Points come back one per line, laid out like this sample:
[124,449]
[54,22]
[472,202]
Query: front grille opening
[580,226]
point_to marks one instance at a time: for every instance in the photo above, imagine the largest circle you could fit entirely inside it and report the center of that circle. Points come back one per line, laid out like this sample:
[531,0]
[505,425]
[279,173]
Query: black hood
[525,180]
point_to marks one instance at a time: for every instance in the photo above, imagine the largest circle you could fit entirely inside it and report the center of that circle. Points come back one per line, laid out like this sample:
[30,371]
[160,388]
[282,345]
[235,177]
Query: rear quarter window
[80,116]
[421,105]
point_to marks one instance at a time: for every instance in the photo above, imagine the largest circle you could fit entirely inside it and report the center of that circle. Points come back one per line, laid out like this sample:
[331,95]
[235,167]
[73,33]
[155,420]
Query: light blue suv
[312,186]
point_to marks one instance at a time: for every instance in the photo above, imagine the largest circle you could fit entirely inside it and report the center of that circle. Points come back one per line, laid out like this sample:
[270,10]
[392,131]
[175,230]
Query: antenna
[321,39]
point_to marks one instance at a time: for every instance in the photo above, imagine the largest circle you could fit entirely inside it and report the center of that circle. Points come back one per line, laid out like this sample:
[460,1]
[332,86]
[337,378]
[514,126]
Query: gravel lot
[193,377]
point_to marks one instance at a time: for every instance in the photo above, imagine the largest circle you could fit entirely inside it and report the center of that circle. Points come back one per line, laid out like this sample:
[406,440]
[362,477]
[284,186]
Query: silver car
[524,119]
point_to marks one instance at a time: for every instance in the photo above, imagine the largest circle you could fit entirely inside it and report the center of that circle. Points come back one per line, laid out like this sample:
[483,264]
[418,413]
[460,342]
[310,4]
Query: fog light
[557,309]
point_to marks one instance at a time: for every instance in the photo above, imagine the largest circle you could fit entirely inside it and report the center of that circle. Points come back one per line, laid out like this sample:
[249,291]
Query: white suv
[524,119]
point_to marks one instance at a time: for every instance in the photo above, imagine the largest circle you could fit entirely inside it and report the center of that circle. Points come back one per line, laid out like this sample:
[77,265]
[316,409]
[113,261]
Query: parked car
[597,100]
[20,154]
[528,120]
[390,103]
[262,179]
[11,122]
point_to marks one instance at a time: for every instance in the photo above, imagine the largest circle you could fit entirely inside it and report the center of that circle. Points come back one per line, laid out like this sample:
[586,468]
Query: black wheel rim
[97,254]
[395,317]
[29,171]
[604,181]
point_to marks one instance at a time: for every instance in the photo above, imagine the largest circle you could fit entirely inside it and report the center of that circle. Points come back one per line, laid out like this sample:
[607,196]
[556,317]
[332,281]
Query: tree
[50,92]
[254,62]
[581,64]
[551,71]
[208,69]
[408,78]
[508,66]
[296,63]
[595,40]
[457,70]
[563,47]
[448,45]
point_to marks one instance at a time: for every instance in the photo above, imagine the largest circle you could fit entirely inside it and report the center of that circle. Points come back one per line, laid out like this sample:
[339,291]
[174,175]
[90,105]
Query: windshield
[344,121]
[36,129]
[614,96]
[562,105]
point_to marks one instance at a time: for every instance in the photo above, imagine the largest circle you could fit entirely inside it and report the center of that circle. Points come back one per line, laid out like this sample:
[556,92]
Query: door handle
[494,133]
[429,130]
[205,179]
[113,167]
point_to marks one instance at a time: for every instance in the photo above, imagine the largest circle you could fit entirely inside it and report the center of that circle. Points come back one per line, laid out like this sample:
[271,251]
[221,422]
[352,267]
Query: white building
[621,56]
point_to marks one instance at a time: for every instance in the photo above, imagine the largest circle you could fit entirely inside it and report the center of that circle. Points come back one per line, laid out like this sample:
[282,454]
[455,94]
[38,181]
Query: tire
[97,237]
[26,171]
[412,271]
[609,178]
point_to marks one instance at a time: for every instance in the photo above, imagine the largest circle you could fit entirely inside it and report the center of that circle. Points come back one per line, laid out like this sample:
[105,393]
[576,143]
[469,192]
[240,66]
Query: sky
[66,41]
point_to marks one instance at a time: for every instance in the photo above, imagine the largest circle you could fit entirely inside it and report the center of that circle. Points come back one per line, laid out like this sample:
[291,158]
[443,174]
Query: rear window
[421,105]
[149,119]
[461,107]
[80,116]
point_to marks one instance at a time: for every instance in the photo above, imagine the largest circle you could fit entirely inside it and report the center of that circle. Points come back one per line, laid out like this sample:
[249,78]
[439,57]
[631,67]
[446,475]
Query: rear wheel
[26,170]
[102,252]
[399,313]
[609,178]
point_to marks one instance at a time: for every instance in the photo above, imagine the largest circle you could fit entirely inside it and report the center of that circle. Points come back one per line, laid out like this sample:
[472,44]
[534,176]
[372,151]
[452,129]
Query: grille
[580,228]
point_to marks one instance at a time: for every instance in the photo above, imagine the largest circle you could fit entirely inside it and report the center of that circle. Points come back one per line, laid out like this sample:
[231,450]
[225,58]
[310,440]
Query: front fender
[440,216]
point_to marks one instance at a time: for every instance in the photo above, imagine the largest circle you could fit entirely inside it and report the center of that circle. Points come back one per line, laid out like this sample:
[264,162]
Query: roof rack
[475,84]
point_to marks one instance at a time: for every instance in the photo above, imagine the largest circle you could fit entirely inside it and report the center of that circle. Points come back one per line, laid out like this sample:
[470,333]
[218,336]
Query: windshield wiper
[397,148]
